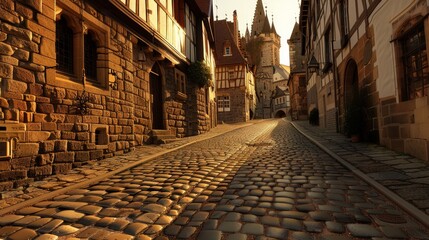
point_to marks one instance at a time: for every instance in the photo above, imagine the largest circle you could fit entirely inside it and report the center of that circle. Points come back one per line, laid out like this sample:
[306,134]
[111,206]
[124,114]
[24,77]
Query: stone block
[45,108]
[16,31]
[75,146]
[67,135]
[14,86]
[23,44]
[18,104]
[39,118]
[35,89]
[49,126]
[24,11]
[4,186]
[5,166]
[31,107]
[61,145]
[38,136]
[44,159]
[43,60]
[65,126]
[64,157]
[6,70]
[7,4]
[26,117]
[57,118]
[4,103]
[82,156]
[96,154]
[82,136]
[40,171]
[34,4]
[34,126]
[27,149]
[13,175]
[24,75]
[61,168]
[10,17]
[41,30]
[81,127]
[47,48]
[47,146]
[11,114]
[6,49]
[21,163]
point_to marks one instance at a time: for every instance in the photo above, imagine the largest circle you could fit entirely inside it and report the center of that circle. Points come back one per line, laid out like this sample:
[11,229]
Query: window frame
[419,69]
[224,103]
[101,33]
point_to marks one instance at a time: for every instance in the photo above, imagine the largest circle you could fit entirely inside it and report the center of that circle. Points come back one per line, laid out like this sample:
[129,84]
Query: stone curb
[109,174]
[422,217]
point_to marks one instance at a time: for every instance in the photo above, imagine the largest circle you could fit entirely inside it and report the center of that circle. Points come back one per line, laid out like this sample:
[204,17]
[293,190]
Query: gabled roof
[223,34]
[282,71]
[279,92]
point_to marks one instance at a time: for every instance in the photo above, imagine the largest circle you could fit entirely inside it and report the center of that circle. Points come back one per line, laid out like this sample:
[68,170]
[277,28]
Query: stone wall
[69,123]
[238,112]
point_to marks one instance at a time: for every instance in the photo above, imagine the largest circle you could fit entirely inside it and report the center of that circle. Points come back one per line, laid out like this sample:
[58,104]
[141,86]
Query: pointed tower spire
[273,28]
[258,19]
[247,36]
[267,28]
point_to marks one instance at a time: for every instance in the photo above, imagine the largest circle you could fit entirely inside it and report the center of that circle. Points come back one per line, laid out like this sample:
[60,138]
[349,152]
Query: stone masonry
[59,135]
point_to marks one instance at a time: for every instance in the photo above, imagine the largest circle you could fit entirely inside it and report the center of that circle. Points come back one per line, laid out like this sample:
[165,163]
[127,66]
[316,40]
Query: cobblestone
[264,181]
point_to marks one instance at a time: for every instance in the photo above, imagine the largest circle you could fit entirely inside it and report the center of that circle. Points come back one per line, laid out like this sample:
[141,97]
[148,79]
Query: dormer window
[227,49]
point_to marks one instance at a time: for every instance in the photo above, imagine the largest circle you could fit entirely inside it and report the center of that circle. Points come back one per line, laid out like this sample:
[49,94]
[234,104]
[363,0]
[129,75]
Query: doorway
[157,106]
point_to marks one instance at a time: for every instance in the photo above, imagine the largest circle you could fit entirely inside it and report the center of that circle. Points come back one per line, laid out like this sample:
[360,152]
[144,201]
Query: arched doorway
[280,114]
[351,82]
[157,106]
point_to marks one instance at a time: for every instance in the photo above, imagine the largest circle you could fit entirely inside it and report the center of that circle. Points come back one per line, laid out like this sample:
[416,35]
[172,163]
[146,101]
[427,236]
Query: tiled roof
[223,33]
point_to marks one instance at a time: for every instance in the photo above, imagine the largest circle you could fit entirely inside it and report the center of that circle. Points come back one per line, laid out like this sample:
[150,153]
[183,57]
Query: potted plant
[199,73]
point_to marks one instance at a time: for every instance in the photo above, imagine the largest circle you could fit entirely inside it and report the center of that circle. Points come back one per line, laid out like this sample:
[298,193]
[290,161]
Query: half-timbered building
[235,86]
[371,56]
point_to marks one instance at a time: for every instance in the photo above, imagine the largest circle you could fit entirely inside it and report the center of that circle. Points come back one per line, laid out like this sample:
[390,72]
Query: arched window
[90,57]
[64,47]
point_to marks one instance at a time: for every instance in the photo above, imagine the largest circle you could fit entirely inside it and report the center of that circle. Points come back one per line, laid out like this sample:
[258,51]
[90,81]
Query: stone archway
[280,114]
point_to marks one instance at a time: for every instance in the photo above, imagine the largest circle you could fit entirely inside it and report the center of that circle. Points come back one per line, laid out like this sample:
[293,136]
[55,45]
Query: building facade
[376,55]
[86,80]
[297,81]
[262,44]
[235,87]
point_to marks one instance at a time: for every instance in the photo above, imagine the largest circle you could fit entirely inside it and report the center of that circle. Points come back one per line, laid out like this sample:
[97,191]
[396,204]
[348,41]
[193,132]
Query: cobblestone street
[261,181]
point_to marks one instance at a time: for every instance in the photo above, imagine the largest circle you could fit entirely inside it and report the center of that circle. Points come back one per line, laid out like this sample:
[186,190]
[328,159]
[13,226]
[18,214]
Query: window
[227,51]
[416,79]
[344,24]
[328,51]
[180,82]
[80,49]
[64,47]
[223,104]
[231,75]
[90,58]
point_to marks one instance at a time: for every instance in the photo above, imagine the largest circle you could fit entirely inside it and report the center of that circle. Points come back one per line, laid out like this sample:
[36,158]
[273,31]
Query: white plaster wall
[381,19]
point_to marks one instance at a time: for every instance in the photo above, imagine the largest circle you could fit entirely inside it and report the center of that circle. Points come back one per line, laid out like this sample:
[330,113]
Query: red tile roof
[223,34]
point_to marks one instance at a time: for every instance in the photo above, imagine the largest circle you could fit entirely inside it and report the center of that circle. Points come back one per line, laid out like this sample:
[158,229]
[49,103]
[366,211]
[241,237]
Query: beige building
[86,80]
[371,55]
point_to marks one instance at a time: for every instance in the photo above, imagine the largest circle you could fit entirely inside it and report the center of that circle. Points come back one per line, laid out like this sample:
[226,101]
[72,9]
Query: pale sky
[285,13]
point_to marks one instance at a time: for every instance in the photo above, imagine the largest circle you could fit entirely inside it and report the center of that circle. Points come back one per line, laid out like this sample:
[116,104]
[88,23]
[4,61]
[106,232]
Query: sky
[284,12]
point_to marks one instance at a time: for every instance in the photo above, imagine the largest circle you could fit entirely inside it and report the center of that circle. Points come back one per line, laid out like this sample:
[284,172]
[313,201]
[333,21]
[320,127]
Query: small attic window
[227,49]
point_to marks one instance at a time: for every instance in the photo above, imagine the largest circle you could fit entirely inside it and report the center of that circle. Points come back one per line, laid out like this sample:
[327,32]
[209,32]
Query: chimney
[236,35]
